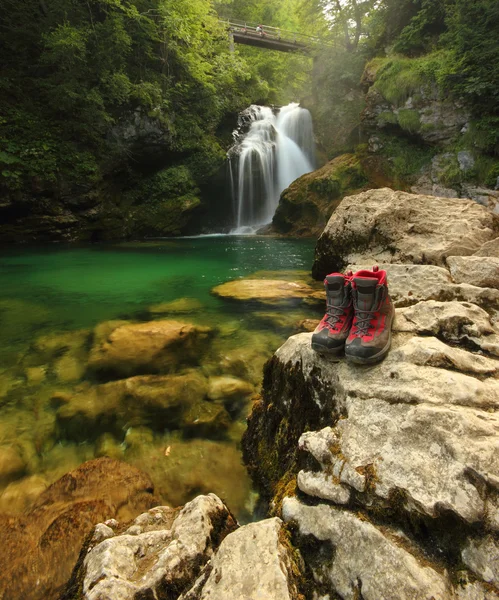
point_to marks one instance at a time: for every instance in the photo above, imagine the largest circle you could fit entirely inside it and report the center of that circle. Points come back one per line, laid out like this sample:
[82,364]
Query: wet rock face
[395,483]
[195,553]
[41,547]
[396,227]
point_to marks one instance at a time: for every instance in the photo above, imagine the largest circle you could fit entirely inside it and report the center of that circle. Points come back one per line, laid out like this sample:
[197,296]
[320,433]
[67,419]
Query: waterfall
[277,149]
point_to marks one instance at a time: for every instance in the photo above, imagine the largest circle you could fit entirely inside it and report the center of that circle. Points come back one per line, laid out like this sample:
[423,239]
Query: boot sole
[329,351]
[372,359]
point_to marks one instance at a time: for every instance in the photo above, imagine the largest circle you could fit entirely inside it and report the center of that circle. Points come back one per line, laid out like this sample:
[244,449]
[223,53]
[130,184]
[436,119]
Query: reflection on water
[60,406]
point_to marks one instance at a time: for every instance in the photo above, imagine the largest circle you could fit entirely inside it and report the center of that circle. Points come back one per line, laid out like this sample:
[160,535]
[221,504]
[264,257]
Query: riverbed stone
[148,348]
[164,400]
[397,227]
[251,562]
[12,463]
[269,291]
[41,547]
[179,306]
[183,468]
[224,387]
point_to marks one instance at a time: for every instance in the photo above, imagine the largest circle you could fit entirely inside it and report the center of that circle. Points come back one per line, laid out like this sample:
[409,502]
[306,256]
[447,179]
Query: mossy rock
[306,205]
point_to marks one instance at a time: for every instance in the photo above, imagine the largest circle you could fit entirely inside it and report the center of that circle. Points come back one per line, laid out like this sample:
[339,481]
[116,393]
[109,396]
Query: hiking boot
[331,333]
[370,336]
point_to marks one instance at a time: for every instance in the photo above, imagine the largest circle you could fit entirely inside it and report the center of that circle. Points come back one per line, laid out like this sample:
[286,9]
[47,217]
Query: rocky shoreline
[377,482]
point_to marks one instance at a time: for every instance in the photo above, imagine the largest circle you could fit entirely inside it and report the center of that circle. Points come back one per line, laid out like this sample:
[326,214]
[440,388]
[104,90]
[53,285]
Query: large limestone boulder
[389,226]
[195,553]
[41,547]
[152,347]
[405,452]
[166,546]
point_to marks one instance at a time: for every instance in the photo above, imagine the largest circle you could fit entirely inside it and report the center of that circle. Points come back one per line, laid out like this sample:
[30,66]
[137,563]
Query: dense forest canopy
[81,81]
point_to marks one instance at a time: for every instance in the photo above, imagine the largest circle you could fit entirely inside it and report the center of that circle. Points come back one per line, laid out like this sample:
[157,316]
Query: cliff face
[388,474]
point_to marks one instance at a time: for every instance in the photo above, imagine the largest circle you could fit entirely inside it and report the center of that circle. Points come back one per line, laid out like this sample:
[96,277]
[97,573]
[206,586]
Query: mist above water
[278,148]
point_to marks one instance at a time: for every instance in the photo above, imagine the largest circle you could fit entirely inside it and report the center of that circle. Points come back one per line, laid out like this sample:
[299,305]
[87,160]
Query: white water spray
[277,149]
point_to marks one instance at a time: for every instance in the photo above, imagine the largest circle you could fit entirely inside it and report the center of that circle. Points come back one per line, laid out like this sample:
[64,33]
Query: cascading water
[276,150]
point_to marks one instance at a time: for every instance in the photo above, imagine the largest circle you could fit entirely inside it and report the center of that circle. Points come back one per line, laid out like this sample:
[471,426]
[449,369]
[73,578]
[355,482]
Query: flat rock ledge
[197,552]
[388,475]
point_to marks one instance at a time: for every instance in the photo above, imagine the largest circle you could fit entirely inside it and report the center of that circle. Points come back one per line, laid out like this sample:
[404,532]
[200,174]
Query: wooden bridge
[271,38]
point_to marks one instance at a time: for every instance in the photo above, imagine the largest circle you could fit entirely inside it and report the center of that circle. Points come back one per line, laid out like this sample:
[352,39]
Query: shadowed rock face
[40,548]
[389,474]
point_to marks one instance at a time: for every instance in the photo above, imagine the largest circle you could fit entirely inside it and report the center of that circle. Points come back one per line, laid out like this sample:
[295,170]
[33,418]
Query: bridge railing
[273,33]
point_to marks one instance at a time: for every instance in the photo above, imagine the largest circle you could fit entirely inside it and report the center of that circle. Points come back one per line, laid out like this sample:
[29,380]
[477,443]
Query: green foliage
[405,158]
[73,71]
[421,34]
[409,120]
[387,118]
[399,77]
[487,170]
[450,173]
[165,185]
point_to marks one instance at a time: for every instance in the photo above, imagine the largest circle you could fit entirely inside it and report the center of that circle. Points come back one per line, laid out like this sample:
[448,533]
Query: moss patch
[270,443]
[398,77]
[409,120]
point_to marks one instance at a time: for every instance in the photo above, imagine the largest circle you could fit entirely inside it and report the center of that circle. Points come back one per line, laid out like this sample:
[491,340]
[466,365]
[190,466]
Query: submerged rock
[179,306]
[163,401]
[183,468]
[12,464]
[268,291]
[152,347]
[41,547]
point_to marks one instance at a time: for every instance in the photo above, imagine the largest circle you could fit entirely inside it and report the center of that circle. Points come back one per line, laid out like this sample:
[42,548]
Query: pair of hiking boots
[358,317]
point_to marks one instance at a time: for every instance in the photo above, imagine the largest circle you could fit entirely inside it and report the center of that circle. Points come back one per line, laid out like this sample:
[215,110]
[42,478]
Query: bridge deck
[271,38]
[268,42]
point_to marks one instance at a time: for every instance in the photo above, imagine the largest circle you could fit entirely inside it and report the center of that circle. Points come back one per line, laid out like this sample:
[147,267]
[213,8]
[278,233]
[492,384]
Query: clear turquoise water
[84,285]
[55,289]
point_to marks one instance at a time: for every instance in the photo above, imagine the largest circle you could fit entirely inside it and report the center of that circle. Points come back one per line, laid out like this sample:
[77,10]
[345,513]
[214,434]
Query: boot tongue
[366,292]
[335,290]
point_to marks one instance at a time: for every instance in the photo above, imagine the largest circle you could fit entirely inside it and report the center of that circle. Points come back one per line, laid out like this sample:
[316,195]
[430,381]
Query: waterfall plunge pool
[52,298]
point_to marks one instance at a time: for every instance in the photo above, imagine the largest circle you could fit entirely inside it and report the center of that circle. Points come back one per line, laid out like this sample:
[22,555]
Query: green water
[52,291]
